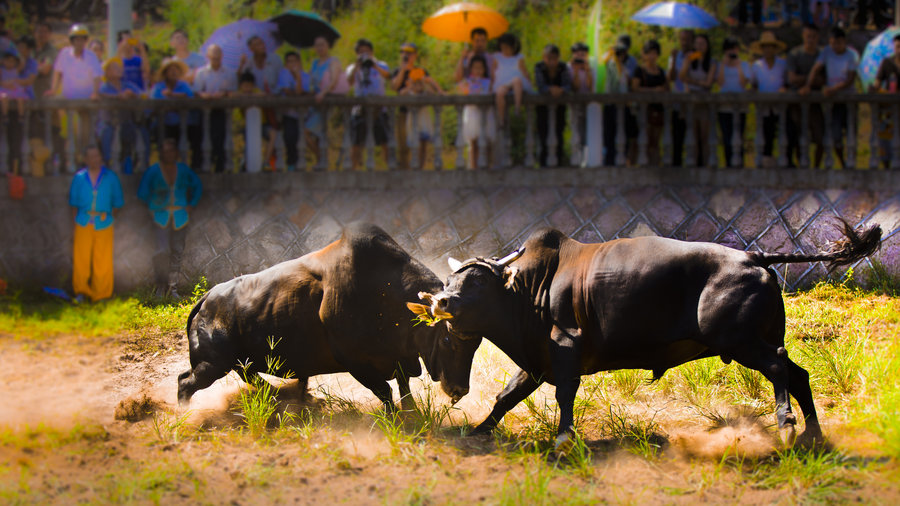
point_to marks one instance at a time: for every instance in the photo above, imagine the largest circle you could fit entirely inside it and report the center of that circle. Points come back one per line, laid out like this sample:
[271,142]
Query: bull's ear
[509,276]
[419,309]
[427,297]
[454,264]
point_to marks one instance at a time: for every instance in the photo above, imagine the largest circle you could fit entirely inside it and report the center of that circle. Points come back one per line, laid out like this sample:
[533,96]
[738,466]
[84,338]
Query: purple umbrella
[233,37]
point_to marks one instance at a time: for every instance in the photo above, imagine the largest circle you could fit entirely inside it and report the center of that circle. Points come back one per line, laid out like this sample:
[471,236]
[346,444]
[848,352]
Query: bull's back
[650,297]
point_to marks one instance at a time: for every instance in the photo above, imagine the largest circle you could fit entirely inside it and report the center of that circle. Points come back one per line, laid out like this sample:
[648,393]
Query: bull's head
[472,296]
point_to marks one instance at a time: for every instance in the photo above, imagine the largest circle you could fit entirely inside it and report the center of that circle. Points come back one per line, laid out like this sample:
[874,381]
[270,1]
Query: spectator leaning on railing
[114,87]
[12,89]
[213,80]
[265,69]
[733,76]
[582,82]
[510,75]
[551,77]
[45,54]
[171,85]
[367,76]
[400,81]
[679,124]
[328,78]
[698,72]
[293,81]
[477,123]
[839,63]
[618,80]
[649,77]
[769,76]
[76,75]
[800,62]
[887,80]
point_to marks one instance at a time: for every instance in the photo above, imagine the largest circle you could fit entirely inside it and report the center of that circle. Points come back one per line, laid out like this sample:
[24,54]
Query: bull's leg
[377,384]
[799,381]
[517,390]
[773,364]
[406,399]
[200,377]
[567,376]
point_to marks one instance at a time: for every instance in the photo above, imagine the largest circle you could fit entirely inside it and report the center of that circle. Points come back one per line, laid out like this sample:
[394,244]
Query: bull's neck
[528,309]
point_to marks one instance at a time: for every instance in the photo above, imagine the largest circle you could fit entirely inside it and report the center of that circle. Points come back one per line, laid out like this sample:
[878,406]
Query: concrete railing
[868,119]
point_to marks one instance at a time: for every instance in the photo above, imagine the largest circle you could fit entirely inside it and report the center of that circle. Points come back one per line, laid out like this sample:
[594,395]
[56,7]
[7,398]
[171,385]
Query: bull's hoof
[787,435]
[481,430]
[811,438]
[564,444]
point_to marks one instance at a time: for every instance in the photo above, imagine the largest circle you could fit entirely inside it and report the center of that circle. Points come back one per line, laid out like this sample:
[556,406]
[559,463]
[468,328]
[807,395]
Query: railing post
[460,141]
[4,147]
[498,144]
[370,138]
[481,162]
[782,135]
[737,140]
[895,142]
[207,142]
[412,136]
[804,135]
[346,148]
[575,111]
[437,139]
[827,136]
[140,145]
[529,135]
[874,144]
[301,139]
[48,141]
[758,138]
[507,144]
[712,158]
[70,144]
[643,136]
[25,162]
[666,151]
[551,135]
[620,133]
[323,141]
[851,136]
[229,143]
[690,139]
[115,154]
[182,136]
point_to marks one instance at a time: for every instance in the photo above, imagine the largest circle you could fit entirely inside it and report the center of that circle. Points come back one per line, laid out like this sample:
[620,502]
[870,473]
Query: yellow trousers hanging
[92,262]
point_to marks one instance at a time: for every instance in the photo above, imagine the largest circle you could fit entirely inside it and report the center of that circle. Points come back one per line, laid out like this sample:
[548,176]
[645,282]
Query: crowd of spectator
[31,67]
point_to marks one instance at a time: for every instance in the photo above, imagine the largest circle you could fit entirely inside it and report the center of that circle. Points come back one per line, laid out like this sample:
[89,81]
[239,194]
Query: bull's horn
[512,257]
[454,264]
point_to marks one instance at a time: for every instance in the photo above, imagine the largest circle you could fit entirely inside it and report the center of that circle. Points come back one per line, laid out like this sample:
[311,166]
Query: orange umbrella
[456,21]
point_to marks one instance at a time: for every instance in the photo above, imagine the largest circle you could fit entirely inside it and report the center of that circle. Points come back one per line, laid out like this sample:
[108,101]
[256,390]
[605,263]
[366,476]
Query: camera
[365,61]
[579,61]
[405,57]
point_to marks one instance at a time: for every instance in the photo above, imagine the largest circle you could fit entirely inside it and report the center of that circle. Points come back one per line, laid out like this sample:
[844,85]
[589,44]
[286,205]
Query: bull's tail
[855,245]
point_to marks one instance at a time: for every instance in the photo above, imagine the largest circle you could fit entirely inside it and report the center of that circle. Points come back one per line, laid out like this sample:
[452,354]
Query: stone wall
[249,222]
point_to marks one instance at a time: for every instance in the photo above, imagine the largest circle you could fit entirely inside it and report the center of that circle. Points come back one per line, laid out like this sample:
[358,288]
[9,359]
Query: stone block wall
[246,222]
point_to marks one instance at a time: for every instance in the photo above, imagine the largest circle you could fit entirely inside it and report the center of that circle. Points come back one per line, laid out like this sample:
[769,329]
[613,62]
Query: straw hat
[110,61]
[169,62]
[767,39]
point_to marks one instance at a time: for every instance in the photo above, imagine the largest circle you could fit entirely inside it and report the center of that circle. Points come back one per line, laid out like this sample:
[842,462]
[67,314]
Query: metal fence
[868,135]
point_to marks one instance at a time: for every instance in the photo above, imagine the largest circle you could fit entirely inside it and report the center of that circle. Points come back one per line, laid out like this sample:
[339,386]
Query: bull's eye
[446,340]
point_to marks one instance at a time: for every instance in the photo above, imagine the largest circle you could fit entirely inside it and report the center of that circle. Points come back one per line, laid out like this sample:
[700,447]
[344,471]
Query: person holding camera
[582,82]
[367,77]
[732,76]
[400,81]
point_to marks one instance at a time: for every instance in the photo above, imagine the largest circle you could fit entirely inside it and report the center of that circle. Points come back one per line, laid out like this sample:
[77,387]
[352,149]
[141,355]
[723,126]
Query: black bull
[337,309]
[565,309]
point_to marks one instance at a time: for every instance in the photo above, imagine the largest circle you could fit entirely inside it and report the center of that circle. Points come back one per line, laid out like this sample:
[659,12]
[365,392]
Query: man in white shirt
[839,62]
[215,81]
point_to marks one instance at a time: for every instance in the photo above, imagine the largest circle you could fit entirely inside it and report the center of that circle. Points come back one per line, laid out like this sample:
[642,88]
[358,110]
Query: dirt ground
[60,443]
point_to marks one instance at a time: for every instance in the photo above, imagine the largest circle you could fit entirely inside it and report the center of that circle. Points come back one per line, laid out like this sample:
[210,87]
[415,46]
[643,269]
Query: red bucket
[16,185]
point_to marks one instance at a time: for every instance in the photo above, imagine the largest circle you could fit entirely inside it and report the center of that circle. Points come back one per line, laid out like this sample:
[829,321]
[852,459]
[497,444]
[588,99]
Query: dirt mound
[135,409]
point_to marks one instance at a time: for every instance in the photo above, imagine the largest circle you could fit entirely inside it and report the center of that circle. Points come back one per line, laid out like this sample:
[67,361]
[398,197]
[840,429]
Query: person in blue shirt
[171,85]
[170,189]
[292,81]
[95,195]
[114,87]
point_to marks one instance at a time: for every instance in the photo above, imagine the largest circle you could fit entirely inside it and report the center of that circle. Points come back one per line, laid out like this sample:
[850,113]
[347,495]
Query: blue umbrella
[676,15]
[879,48]
[233,37]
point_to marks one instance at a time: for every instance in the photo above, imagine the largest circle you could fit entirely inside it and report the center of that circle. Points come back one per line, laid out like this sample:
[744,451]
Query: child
[420,121]
[510,74]
[476,124]
[253,159]
[9,85]
[115,87]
